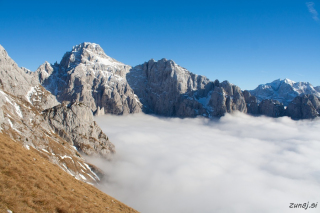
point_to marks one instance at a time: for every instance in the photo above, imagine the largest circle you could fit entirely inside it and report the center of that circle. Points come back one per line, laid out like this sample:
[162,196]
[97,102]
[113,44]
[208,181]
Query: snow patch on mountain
[284,90]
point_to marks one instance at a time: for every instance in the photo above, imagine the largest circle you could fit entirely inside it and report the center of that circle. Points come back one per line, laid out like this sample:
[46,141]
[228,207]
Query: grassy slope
[30,183]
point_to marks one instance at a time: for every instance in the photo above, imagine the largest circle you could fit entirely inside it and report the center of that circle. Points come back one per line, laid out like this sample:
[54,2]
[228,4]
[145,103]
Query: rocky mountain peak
[164,65]
[288,81]
[92,47]
[276,84]
[88,54]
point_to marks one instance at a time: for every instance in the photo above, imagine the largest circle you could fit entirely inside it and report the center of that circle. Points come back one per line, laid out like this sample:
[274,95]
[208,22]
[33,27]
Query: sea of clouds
[238,163]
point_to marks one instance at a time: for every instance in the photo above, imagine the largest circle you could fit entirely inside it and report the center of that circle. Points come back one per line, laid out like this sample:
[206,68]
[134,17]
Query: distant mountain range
[284,91]
[86,74]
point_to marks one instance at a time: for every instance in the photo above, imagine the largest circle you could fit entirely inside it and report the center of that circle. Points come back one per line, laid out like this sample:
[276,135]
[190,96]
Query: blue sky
[244,42]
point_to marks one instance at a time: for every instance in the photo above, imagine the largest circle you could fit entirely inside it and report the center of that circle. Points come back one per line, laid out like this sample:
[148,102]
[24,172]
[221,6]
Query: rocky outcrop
[88,75]
[168,89]
[271,108]
[162,85]
[74,122]
[41,98]
[304,107]
[13,79]
[252,103]
[267,107]
[21,83]
[22,100]
[24,123]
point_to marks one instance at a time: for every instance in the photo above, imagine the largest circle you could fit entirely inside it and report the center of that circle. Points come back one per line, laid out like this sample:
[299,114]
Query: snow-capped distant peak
[89,54]
[288,81]
[89,46]
[283,90]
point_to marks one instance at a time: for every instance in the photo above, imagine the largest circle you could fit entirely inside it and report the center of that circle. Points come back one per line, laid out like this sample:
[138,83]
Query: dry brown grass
[30,183]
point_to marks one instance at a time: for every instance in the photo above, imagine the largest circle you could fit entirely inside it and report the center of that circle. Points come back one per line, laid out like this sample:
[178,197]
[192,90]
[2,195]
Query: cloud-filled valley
[236,164]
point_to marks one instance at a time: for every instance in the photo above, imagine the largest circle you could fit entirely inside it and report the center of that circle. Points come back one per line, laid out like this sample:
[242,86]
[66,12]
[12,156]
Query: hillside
[30,183]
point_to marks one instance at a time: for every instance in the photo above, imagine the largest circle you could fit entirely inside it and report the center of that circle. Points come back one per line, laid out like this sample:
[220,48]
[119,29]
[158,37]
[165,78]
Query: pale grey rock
[44,71]
[304,107]
[74,122]
[88,75]
[167,89]
[13,79]
[235,100]
[41,98]
[23,122]
[218,101]
[162,86]
[271,108]
[22,83]
[26,70]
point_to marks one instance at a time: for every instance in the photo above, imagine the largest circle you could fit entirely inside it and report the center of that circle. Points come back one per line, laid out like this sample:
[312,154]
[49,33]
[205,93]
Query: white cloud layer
[236,164]
[313,11]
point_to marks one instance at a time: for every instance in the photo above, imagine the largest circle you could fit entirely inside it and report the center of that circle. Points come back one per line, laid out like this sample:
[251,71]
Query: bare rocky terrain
[31,115]
[86,74]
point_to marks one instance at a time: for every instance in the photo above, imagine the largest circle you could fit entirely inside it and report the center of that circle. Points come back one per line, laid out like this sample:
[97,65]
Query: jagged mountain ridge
[168,89]
[284,90]
[21,82]
[88,75]
[161,87]
[31,115]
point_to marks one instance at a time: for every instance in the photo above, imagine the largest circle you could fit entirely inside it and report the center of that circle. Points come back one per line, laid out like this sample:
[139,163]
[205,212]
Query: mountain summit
[88,75]
[88,53]
[284,90]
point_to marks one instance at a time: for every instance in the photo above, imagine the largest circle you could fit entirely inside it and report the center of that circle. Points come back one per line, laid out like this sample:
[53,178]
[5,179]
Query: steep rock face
[284,91]
[21,83]
[168,89]
[41,98]
[304,107]
[13,79]
[252,103]
[24,123]
[88,75]
[271,108]
[44,71]
[267,107]
[74,122]
[21,101]
[159,85]
[226,98]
